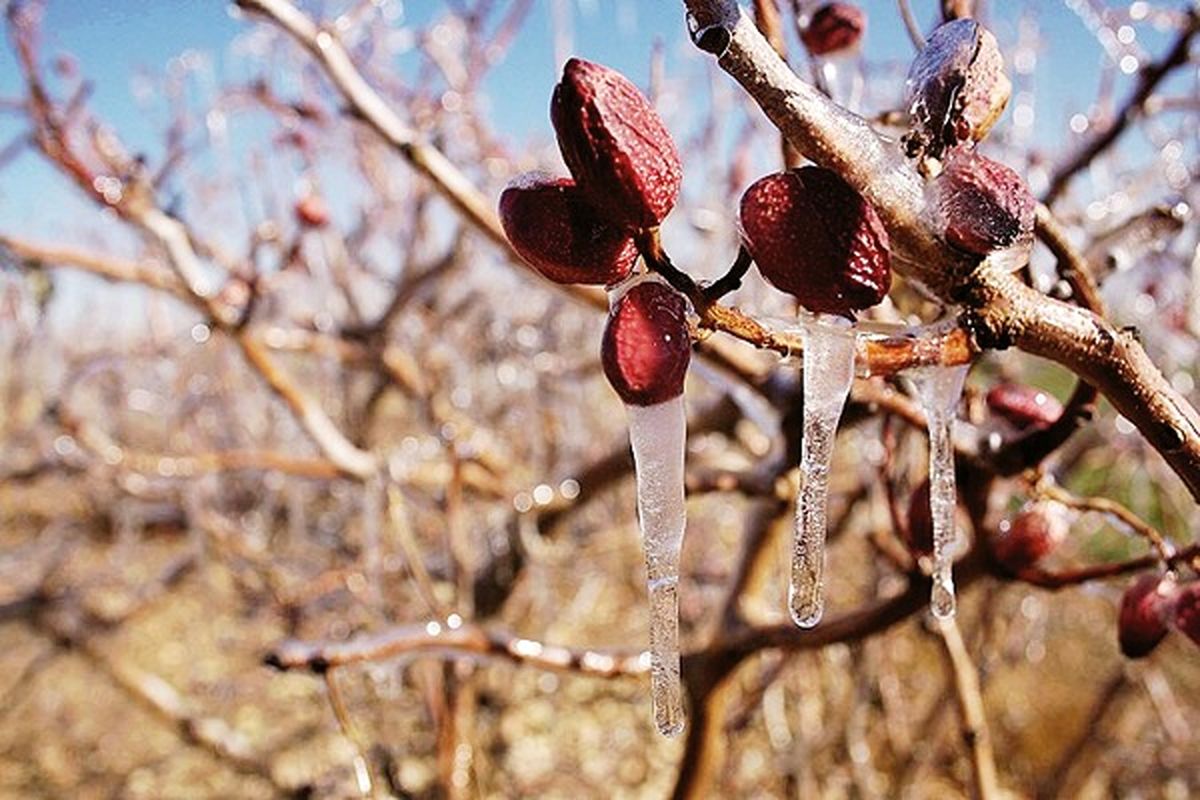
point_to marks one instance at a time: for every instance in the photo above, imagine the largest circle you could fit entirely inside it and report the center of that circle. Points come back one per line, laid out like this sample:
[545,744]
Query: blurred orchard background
[308,489]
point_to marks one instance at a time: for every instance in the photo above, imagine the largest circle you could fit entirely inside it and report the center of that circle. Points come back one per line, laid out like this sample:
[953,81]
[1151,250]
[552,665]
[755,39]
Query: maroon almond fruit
[816,238]
[646,348]
[833,28]
[1142,621]
[615,145]
[956,88]
[918,536]
[1024,406]
[983,206]
[1019,543]
[552,226]
[1186,614]
[311,211]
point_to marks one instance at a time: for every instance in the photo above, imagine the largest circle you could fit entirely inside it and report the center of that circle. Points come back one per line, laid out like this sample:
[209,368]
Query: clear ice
[939,390]
[657,435]
[828,373]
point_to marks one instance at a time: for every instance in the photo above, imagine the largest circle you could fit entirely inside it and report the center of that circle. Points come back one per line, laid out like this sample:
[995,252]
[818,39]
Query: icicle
[828,372]
[939,390]
[657,435]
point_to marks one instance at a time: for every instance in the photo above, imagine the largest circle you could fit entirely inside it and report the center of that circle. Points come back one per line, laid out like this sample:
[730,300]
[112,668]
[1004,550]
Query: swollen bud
[615,145]
[646,347]
[1023,406]
[1021,542]
[311,211]
[552,226]
[816,238]
[833,28]
[984,208]
[1186,616]
[1142,622]
[956,88]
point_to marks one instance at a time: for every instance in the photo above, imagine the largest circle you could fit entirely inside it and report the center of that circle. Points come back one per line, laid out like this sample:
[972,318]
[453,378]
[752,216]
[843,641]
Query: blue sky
[114,40]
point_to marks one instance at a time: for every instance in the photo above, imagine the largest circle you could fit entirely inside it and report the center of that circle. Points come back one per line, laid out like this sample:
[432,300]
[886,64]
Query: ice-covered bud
[956,88]
[1142,621]
[833,28]
[615,145]
[311,211]
[1186,614]
[816,238]
[918,535]
[1025,407]
[552,226]
[1022,541]
[646,347]
[984,208]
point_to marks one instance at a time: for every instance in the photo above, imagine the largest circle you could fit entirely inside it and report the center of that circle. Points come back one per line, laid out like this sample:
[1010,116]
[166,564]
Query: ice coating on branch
[939,390]
[828,373]
[657,436]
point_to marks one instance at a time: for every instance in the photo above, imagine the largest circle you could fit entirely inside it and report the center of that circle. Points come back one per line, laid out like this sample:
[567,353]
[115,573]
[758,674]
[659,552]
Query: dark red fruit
[1142,622]
[615,145]
[311,211]
[1186,616]
[983,205]
[834,27]
[918,536]
[1021,542]
[1024,406]
[956,88]
[816,238]
[646,348]
[553,227]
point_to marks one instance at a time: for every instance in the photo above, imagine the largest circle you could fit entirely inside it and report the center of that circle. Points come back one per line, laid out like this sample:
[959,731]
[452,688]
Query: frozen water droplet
[828,373]
[939,389]
[657,436]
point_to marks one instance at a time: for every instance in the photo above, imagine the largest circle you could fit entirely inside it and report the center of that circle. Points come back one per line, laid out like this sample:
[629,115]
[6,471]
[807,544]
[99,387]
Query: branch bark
[1001,311]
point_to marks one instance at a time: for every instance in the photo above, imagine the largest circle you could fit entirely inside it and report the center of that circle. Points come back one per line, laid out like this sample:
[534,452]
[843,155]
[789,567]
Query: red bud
[816,238]
[834,27]
[646,348]
[1021,542]
[1186,615]
[553,227]
[1024,406]
[1141,624]
[311,211]
[956,86]
[615,145]
[983,205]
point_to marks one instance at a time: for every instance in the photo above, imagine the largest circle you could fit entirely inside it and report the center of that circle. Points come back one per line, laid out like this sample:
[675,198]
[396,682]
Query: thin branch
[1166,551]
[910,24]
[1148,81]
[970,708]
[466,639]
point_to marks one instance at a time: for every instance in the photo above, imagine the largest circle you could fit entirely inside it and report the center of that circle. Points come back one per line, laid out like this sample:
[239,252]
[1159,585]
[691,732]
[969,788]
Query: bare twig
[1148,81]
[465,639]
[970,707]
